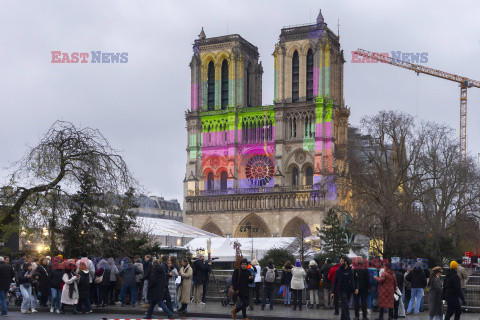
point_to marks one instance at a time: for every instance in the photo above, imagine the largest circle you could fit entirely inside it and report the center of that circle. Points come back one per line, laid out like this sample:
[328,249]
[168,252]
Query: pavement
[211,310]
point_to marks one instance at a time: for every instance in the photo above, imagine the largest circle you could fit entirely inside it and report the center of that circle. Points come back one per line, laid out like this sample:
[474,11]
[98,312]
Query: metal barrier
[472,296]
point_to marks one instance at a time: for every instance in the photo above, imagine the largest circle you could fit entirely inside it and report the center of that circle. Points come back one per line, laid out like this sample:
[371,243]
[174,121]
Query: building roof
[164,227]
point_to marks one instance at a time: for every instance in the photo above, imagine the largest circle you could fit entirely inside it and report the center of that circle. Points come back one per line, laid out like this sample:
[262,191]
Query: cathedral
[258,170]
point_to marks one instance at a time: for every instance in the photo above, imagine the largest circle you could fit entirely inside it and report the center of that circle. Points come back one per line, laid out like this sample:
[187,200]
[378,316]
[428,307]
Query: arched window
[248,88]
[295,176]
[309,176]
[295,76]
[210,181]
[310,74]
[224,84]
[223,180]
[211,86]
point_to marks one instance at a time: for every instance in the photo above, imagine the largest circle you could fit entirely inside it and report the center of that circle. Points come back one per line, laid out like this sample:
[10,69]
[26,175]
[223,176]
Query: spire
[202,36]
[320,17]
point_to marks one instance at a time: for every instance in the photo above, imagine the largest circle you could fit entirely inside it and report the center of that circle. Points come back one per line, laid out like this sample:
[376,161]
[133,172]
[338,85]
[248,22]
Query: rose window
[259,170]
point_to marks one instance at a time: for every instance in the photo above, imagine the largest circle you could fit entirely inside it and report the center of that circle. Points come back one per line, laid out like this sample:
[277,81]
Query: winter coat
[452,290]
[90,267]
[24,279]
[313,278]
[240,281]
[258,274]
[298,278]
[43,274]
[200,272]
[172,286]
[361,278]
[286,278]
[128,272]
[84,285]
[417,278]
[185,288]
[65,292]
[264,273]
[386,288]
[462,274]
[113,273]
[400,279]
[344,281]
[56,278]
[157,284]
[253,274]
[331,274]
[147,270]
[6,276]
[106,276]
[435,306]
[324,270]
[139,276]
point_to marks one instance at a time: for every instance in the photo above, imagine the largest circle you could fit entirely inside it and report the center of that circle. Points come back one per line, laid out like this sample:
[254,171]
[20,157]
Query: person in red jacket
[331,277]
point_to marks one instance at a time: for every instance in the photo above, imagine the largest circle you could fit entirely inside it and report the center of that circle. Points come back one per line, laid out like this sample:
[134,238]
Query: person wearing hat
[313,284]
[435,305]
[297,285]
[452,292]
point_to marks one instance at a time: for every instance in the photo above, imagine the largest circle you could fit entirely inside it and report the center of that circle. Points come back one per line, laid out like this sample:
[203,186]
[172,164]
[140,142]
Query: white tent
[222,248]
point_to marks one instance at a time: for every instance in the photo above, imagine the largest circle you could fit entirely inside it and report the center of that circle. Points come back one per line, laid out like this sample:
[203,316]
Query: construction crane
[463,81]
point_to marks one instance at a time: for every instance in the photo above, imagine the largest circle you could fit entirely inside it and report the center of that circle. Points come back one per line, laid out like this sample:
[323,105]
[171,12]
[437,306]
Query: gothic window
[223,180]
[224,84]
[248,88]
[259,170]
[211,86]
[210,181]
[295,76]
[292,126]
[295,177]
[309,74]
[309,176]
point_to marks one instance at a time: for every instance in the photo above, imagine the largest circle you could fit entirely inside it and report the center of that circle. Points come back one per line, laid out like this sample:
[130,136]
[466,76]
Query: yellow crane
[463,81]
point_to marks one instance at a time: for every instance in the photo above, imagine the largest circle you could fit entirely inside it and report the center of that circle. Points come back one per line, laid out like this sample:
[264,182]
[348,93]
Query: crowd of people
[380,288]
[79,284]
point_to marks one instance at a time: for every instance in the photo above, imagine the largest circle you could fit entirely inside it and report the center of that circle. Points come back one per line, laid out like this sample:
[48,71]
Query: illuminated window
[211,86]
[210,181]
[224,84]
[295,76]
[223,180]
[310,74]
[259,170]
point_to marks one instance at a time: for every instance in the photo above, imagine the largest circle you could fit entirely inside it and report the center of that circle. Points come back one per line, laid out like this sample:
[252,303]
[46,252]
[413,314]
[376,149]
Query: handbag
[99,279]
[281,291]
[397,294]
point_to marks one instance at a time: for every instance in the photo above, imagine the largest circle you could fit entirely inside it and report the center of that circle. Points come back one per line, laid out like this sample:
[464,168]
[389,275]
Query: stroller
[226,300]
[14,295]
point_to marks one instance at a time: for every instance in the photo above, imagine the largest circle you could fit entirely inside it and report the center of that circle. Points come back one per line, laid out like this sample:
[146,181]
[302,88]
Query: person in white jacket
[297,285]
[70,289]
[258,280]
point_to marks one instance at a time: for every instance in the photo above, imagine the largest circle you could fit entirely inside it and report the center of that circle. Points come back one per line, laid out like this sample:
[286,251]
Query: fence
[472,296]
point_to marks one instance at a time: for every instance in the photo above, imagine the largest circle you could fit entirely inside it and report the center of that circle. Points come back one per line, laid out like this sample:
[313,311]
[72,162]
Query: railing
[196,193]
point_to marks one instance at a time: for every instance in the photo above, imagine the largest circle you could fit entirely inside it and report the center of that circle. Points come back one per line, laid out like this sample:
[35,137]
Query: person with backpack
[269,276]
[327,284]
[286,281]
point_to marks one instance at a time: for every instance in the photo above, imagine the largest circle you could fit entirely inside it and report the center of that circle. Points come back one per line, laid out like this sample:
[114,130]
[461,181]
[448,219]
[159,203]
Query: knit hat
[453,265]
[298,264]
[312,263]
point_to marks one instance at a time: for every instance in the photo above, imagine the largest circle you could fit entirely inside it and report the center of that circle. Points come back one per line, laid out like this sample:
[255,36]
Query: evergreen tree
[332,235]
[86,225]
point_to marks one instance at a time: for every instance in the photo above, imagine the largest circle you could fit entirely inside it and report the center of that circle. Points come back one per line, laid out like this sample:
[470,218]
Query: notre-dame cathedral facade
[258,170]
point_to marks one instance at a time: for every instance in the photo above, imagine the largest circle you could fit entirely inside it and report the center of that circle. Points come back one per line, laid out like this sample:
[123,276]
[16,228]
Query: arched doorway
[212,228]
[295,228]
[252,226]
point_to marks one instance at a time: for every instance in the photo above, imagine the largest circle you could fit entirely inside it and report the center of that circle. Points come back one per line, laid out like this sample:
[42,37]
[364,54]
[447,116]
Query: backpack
[270,275]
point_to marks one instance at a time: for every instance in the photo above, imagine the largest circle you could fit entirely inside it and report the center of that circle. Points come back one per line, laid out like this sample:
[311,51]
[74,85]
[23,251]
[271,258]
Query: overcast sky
[139,106]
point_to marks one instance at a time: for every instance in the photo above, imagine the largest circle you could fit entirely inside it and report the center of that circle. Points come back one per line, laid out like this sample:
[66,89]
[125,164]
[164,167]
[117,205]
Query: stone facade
[253,170]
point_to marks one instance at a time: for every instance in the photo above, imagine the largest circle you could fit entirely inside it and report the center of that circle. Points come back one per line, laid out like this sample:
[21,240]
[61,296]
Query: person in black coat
[6,277]
[84,304]
[313,284]
[44,281]
[240,280]
[147,271]
[452,292]
[55,279]
[344,286]
[201,269]
[400,275]
[361,279]
[158,289]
